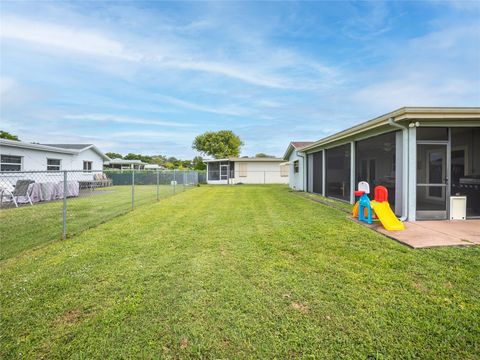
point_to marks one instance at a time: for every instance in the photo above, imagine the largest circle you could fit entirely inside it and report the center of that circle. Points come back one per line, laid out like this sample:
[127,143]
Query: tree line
[162,160]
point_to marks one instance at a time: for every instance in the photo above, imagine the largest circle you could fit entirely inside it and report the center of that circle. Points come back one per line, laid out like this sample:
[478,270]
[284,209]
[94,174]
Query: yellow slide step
[386,216]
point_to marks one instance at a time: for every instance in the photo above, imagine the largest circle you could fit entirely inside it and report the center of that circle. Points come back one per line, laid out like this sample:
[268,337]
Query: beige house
[247,171]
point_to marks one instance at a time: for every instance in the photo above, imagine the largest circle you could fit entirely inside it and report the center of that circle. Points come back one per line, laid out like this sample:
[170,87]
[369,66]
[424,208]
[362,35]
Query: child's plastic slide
[387,216]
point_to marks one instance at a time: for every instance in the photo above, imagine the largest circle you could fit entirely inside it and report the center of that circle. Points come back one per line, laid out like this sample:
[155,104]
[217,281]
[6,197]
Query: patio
[427,234]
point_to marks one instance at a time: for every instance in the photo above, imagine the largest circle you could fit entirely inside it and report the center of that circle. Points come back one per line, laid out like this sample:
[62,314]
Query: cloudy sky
[147,77]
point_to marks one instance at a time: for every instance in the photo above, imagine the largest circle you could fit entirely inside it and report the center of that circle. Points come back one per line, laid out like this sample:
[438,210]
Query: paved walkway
[425,234]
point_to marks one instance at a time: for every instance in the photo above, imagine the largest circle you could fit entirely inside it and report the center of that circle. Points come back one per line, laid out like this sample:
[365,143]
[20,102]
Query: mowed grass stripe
[239,272]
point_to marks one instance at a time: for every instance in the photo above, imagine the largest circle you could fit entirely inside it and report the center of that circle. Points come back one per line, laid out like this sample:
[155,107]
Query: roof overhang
[97,150]
[288,152]
[124,162]
[245,160]
[403,116]
[59,150]
[24,145]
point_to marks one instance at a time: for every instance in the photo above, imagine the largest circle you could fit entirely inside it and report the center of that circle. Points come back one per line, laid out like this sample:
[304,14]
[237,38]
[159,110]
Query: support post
[133,188]
[65,188]
[412,172]
[352,172]
[324,172]
[174,181]
[158,185]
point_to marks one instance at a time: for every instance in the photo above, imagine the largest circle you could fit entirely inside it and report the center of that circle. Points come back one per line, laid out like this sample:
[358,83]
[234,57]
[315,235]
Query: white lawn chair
[21,189]
[6,190]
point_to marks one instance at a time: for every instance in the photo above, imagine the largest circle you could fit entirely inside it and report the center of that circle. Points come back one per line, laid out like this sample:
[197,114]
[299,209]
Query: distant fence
[62,203]
[226,176]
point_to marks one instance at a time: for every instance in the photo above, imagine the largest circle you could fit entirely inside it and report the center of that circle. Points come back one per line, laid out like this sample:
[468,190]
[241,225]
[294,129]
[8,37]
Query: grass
[30,226]
[239,272]
[337,204]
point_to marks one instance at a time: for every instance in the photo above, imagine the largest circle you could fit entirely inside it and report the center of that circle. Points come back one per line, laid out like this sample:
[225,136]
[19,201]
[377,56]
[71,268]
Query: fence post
[133,188]
[158,185]
[174,181]
[64,233]
[184,171]
[264,178]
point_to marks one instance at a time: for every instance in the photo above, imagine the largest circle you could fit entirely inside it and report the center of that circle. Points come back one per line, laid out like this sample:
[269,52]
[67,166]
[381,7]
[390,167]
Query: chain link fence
[46,205]
[232,177]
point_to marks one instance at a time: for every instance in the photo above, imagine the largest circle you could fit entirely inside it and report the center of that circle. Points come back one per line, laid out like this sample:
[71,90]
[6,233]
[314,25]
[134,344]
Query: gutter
[392,123]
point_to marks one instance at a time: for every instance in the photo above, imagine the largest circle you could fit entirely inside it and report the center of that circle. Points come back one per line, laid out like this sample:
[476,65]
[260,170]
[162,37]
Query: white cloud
[438,69]
[63,37]
[174,53]
[124,120]
[6,85]
[233,111]
[141,135]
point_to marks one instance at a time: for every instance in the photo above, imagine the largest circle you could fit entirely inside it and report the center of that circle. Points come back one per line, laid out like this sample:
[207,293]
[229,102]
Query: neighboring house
[22,156]
[154,167]
[122,164]
[423,156]
[295,162]
[246,171]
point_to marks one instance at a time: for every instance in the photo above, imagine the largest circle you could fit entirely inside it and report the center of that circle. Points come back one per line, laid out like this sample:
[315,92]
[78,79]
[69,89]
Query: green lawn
[239,272]
[27,227]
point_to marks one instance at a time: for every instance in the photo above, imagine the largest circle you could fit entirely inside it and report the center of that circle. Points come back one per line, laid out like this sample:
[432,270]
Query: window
[242,169]
[11,163]
[53,164]
[213,171]
[465,167]
[338,172]
[375,163]
[317,170]
[295,167]
[87,166]
[284,170]
[432,134]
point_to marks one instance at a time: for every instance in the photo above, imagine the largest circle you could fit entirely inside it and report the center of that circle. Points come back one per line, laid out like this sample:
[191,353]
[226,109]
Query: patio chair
[21,189]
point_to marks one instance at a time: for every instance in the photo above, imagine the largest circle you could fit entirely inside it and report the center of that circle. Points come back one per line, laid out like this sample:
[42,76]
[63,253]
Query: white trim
[14,164]
[428,114]
[59,165]
[352,171]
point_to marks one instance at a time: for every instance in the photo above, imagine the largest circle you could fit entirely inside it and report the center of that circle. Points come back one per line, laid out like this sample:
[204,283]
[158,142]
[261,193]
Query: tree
[219,144]
[263,155]
[144,158]
[114,155]
[8,136]
[198,163]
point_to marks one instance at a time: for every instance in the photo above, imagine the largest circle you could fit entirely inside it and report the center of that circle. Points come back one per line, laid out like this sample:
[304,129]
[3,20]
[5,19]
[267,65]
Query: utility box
[458,207]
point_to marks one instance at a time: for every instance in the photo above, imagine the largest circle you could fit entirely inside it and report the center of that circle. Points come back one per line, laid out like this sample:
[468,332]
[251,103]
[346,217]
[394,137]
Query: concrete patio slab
[425,234]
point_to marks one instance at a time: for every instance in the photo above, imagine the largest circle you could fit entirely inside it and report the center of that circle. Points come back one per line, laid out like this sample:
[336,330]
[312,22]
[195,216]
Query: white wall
[296,180]
[261,172]
[36,160]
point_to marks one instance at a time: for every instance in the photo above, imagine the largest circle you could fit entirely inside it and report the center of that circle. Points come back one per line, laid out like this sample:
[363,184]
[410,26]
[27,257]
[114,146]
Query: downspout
[404,216]
[304,168]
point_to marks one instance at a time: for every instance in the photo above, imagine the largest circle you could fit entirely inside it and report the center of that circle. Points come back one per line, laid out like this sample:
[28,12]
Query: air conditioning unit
[458,207]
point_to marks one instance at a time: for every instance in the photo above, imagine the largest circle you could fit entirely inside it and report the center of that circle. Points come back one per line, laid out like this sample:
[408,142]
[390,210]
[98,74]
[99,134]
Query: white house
[22,156]
[124,164]
[295,163]
[247,171]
